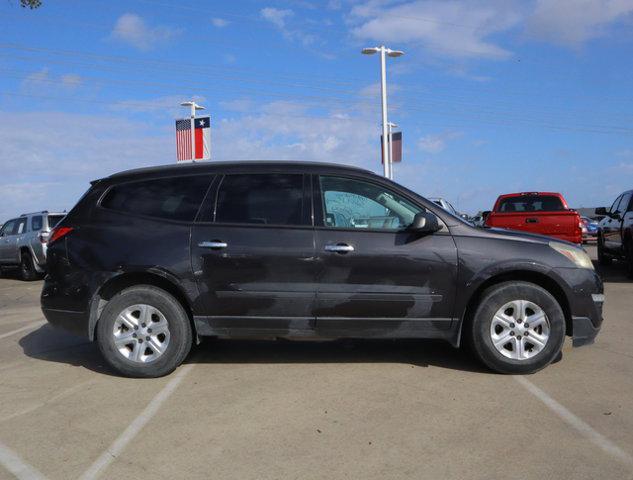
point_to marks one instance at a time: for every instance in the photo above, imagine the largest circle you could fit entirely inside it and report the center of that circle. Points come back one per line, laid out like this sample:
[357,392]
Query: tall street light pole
[194,106]
[384,52]
[391,126]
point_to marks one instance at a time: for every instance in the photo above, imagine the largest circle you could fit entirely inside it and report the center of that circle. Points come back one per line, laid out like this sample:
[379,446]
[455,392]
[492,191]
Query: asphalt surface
[277,409]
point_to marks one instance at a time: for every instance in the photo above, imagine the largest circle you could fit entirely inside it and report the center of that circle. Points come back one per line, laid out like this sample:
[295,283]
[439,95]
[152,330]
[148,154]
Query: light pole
[194,106]
[391,126]
[384,51]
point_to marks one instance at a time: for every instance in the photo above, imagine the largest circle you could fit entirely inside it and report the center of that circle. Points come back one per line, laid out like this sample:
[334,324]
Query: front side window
[614,207]
[174,198]
[355,204]
[8,228]
[623,205]
[36,223]
[265,199]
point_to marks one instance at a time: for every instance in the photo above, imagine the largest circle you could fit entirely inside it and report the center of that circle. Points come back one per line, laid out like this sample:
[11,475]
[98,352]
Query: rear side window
[175,198]
[531,203]
[53,220]
[267,199]
[36,223]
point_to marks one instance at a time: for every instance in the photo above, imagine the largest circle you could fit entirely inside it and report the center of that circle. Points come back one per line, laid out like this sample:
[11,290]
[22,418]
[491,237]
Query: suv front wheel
[517,328]
[144,331]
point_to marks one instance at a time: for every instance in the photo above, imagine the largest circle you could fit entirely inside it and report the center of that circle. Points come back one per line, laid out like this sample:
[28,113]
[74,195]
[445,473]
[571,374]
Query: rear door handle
[339,248]
[215,244]
[531,220]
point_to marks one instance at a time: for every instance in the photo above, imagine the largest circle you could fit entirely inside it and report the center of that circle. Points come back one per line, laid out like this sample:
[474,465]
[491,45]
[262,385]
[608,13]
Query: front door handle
[215,244]
[531,220]
[339,248]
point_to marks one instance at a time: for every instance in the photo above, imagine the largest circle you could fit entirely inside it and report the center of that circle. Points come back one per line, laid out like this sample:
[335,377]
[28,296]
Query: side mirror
[485,214]
[424,222]
[601,211]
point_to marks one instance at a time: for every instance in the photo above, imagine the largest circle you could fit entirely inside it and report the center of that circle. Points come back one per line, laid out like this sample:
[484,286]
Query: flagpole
[193,132]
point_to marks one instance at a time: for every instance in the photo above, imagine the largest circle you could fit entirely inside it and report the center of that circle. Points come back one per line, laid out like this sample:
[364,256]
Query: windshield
[531,203]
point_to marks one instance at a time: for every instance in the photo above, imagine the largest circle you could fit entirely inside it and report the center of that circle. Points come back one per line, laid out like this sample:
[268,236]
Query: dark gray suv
[151,260]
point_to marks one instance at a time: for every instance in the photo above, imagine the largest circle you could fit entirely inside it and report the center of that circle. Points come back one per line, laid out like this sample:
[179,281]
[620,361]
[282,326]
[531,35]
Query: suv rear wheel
[144,331]
[27,267]
[517,328]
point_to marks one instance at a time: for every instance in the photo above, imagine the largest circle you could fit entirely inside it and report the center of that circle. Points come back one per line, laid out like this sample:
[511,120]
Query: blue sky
[493,96]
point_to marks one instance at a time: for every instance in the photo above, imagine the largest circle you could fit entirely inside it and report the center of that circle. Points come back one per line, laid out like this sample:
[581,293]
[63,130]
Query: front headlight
[575,254]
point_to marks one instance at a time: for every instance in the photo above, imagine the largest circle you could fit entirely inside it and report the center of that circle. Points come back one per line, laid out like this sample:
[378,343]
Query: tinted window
[176,198]
[53,220]
[8,227]
[349,203]
[275,199]
[21,227]
[531,203]
[36,223]
[624,204]
[614,207]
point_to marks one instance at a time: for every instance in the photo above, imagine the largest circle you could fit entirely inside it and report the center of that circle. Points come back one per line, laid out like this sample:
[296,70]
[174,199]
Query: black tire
[27,268]
[495,298]
[603,258]
[180,333]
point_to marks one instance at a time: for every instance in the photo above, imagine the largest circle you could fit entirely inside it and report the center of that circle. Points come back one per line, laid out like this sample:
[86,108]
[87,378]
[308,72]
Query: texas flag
[202,139]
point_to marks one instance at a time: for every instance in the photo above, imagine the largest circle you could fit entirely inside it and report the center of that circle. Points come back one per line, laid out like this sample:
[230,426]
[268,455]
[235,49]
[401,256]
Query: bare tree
[31,4]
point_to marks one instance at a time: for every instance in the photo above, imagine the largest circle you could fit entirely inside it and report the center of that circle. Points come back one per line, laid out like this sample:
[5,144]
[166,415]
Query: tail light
[58,233]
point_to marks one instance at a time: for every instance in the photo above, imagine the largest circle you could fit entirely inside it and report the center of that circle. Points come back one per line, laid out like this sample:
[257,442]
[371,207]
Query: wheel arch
[541,279]
[129,279]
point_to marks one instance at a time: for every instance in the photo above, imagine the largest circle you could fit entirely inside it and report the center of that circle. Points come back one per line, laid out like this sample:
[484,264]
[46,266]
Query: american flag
[183,139]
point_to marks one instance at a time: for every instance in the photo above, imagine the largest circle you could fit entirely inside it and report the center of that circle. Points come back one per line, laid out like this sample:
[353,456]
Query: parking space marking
[59,396]
[22,329]
[577,423]
[136,426]
[18,467]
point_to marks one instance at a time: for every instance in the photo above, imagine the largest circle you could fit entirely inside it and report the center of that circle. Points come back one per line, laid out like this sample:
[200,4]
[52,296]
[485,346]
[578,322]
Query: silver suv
[23,242]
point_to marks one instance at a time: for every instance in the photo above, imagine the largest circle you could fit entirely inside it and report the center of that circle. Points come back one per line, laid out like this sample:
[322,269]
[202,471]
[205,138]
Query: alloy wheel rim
[520,330]
[141,333]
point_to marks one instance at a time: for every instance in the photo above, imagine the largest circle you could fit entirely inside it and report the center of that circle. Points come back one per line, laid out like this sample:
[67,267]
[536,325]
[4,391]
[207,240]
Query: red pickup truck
[545,213]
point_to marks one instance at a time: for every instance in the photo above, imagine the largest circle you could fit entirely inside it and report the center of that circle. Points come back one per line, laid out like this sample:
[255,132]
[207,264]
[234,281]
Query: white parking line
[14,464]
[135,427]
[575,422]
[59,396]
[22,329]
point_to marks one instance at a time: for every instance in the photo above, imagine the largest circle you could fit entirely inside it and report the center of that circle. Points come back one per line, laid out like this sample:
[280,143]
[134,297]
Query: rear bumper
[74,322]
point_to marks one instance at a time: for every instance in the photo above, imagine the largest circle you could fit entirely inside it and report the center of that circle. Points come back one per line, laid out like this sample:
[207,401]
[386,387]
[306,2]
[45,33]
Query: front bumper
[584,333]
[585,295]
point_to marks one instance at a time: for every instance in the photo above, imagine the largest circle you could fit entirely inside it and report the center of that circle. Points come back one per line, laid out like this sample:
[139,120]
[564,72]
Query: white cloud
[132,29]
[279,18]
[43,79]
[435,143]
[574,22]
[458,28]
[71,80]
[219,22]
[167,106]
[276,16]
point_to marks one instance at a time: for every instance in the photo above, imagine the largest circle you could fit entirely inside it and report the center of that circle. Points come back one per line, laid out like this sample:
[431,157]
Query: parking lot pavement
[266,409]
